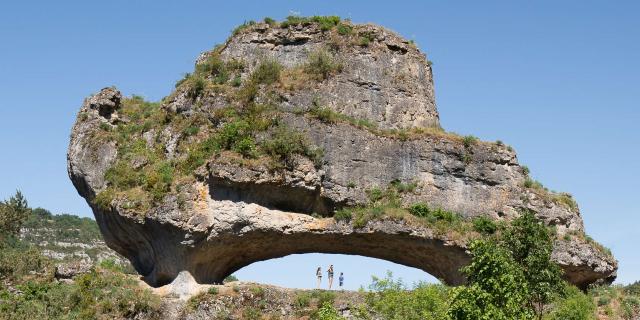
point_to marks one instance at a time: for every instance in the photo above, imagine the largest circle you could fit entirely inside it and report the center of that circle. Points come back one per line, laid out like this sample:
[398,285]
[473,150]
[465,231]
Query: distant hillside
[68,239]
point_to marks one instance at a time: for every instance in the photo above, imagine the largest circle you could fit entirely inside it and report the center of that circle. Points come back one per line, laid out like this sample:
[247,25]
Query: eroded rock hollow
[299,138]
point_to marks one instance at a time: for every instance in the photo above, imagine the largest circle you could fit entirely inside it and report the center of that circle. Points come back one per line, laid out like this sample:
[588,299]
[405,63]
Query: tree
[497,287]
[13,213]
[531,244]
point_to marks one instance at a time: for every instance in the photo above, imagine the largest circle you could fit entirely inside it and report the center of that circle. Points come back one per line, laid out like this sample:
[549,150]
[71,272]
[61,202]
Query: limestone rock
[232,211]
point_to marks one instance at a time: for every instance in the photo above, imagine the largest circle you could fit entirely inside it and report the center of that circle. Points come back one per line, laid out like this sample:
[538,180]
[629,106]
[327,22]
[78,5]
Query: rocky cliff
[314,135]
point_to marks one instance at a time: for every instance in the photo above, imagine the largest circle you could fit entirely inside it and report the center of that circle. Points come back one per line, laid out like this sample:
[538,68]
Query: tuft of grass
[343,215]
[344,29]
[566,199]
[269,21]
[326,23]
[267,72]
[469,141]
[321,64]
[239,29]
[366,38]
[484,225]
[533,184]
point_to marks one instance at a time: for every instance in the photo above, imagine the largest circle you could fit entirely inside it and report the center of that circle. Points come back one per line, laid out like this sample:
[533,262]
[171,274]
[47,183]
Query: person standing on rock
[341,280]
[330,275]
[319,275]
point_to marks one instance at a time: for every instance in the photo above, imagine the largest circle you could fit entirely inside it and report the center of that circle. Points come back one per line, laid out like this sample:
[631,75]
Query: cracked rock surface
[234,215]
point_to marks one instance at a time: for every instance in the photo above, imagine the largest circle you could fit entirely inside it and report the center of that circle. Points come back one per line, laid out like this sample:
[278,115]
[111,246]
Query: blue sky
[558,80]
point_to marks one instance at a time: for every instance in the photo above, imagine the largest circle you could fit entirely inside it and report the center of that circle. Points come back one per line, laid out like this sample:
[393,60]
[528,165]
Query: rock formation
[302,138]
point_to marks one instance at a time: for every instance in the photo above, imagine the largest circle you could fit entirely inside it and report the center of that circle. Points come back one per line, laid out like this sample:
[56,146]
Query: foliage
[575,305]
[484,225]
[344,29]
[230,278]
[285,142]
[391,299]
[531,244]
[327,312]
[239,29]
[566,199]
[322,64]
[343,215]
[267,72]
[365,39]
[269,21]
[469,141]
[302,300]
[325,22]
[533,184]
[99,294]
[497,287]
[13,213]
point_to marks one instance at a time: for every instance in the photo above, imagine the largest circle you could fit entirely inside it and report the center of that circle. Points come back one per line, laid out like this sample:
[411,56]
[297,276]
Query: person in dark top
[319,275]
[341,280]
[330,275]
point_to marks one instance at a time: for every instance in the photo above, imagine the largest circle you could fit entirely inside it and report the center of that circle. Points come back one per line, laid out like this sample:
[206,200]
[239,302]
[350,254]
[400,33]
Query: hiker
[341,280]
[330,274]
[319,275]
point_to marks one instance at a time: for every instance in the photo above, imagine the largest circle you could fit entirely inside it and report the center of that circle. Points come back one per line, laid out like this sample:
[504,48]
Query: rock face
[232,211]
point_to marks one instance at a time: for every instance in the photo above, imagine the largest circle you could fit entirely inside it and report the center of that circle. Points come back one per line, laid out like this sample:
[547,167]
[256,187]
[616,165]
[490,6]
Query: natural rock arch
[230,211]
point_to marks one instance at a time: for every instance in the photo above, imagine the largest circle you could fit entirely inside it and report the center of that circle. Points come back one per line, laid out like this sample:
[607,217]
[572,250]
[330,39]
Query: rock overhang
[375,122]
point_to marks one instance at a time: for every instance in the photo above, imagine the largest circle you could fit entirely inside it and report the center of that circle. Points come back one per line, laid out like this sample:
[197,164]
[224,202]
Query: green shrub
[327,312]
[420,210]
[390,299]
[566,199]
[344,29]
[603,301]
[237,81]
[525,170]
[285,143]
[324,297]
[243,27]
[343,215]
[257,291]
[364,41]
[484,225]
[294,21]
[230,278]
[324,114]
[322,64]
[575,306]
[251,313]
[197,85]
[404,187]
[191,131]
[105,126]
[267,72]
[326,22]
[303,300]
[444,215]
[497,288]
[533,184]
[104,198]
[366,38]
[212,290]
[469,141]
[269,21]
